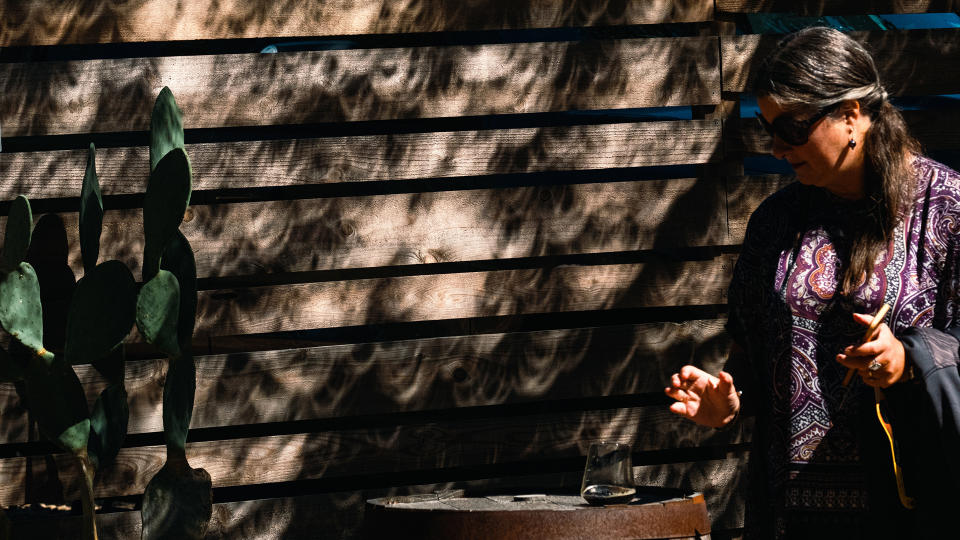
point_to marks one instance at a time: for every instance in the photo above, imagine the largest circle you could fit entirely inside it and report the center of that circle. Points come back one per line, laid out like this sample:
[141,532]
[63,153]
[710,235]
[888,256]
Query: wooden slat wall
[422,267]
[360,84]
[911,62]
[158,20]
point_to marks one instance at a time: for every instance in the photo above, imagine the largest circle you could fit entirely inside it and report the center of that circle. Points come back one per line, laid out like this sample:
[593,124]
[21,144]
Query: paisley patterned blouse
[821,459]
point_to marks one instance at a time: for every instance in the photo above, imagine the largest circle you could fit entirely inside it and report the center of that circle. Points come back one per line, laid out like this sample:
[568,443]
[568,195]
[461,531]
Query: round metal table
[453,516]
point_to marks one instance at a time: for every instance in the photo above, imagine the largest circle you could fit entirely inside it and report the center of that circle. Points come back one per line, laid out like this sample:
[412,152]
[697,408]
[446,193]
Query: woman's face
[826,159]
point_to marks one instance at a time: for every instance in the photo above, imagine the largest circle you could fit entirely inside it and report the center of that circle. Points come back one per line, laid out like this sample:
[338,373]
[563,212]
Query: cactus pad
[166,127]
[91,213]
[20,311]
[178,259]
[17,237]
[168,195]
[157,308]
[108,425]
[101,312]
[56,399]
[178,394]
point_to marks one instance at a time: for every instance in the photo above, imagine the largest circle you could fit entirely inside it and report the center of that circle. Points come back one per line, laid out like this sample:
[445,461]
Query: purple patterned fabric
[785,314]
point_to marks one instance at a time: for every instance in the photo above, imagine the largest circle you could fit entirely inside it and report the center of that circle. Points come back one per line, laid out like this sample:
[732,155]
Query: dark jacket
[925,415]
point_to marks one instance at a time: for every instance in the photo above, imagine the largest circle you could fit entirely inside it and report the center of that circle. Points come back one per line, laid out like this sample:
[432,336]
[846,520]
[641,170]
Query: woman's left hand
[882,350]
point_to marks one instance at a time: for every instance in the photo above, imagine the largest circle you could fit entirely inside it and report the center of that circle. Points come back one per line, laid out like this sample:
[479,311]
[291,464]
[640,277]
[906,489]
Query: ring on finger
[874,366]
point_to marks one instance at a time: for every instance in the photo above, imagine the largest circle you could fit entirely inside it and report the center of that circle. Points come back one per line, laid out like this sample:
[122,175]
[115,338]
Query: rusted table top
[452,515]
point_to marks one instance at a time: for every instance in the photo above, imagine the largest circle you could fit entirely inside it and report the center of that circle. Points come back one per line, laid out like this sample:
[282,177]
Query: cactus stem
[89,507]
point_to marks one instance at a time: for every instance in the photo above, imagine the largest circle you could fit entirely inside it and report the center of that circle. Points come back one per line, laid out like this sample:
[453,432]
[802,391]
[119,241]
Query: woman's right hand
[701,397]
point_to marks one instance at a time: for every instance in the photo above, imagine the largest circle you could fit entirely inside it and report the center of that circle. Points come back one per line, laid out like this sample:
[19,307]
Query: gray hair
[819,67]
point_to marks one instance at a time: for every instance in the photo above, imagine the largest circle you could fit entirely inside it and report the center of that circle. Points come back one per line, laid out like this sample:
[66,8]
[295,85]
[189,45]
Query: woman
[870,222]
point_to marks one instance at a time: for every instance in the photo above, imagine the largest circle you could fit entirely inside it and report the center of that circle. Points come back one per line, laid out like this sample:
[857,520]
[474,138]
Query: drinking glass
[608,475]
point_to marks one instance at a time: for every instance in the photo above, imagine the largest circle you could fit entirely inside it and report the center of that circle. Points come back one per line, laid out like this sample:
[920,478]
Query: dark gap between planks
[381,187]
[369,421]
[80,141]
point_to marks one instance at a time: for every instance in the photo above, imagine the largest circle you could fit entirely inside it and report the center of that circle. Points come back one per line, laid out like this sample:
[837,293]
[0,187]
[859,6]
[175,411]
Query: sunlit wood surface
[423,264]
[837,7]
[360,84]
[408,376]
[101,21]
[403,156]
[911,62]
[265,237]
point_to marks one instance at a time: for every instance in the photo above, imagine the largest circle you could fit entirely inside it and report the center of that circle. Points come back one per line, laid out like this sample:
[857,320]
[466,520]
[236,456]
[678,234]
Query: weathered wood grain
[910,62]
[409,376]
[404,156]
[936,129]
[462,295]
[338,453]
[26,23]
[837,7]
[232,90]
[422,228]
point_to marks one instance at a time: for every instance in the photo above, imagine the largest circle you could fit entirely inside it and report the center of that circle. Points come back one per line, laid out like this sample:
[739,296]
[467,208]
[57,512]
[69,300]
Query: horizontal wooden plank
[837,7]
[418,228]
[936,129]
[409,376]
[333,454]
[44,98]
[462,295]
[910,62]
[325,160]
[26,23]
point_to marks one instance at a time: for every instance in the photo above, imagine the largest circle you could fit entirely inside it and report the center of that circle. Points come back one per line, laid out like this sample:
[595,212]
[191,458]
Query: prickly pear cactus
[91,213]
[158,307]
[166,127]
[168,195]
[178,500]
[106,303]
[100,317]
[54,393]
[178,260]
[20,311]
[101,313]
[17,237]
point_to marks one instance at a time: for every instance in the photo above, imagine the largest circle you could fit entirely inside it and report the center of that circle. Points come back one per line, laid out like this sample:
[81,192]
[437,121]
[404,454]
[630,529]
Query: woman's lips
[795,165]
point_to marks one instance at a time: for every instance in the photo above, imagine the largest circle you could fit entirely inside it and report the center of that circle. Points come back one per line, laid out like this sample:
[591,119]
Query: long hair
[815,68]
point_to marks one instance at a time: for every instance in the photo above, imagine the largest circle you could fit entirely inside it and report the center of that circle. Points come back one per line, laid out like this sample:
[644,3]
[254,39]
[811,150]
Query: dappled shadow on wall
[215,91]
[104,21]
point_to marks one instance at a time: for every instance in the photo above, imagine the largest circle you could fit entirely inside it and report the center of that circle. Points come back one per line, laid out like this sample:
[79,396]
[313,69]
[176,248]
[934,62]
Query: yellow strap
[906,501]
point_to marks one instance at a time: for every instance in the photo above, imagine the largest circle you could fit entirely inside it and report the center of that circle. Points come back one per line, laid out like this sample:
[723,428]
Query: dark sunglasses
[790,130]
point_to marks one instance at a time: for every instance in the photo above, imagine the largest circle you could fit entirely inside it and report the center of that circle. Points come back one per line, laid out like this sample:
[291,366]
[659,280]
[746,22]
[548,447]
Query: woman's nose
[779,148]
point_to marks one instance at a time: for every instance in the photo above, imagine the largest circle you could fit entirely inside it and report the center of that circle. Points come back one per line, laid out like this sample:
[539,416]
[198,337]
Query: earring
[852,144]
